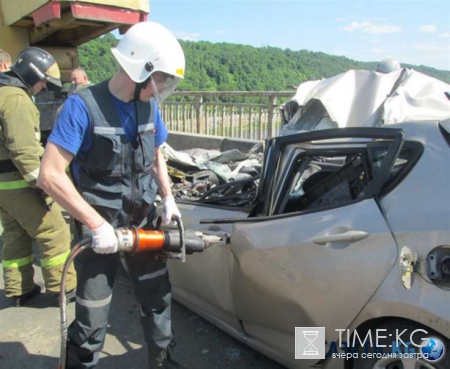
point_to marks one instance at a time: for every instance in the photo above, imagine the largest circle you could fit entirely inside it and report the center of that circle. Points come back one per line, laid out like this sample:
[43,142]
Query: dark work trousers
[96,274]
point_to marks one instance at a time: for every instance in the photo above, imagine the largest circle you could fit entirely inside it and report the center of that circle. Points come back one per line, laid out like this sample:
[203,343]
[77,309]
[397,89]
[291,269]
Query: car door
[203,282]
[315,267]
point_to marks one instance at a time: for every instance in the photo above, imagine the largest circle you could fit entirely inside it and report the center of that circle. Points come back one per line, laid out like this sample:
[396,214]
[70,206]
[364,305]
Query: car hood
[361,98]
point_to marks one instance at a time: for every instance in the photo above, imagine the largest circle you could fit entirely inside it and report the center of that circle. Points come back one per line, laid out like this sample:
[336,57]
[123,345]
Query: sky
[412,31]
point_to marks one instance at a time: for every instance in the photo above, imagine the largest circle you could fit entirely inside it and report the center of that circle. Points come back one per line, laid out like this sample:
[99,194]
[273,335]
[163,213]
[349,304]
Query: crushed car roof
[361,98]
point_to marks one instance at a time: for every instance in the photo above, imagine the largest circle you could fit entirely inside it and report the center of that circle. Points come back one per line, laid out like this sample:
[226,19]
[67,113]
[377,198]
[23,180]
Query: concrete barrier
[184,141]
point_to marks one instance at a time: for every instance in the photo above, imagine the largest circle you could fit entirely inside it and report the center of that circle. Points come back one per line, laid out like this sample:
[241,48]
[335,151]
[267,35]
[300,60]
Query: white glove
[104,239]
[170,209]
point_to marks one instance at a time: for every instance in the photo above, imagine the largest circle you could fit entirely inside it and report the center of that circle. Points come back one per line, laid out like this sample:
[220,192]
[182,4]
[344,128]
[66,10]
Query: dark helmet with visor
[34,64]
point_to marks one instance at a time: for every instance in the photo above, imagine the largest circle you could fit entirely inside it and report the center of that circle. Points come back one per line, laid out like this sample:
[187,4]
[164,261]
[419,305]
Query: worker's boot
[157,358]
[21,300]
[71,296]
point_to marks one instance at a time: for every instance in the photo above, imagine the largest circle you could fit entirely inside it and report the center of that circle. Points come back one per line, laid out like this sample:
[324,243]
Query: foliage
[232,67]
[96,57]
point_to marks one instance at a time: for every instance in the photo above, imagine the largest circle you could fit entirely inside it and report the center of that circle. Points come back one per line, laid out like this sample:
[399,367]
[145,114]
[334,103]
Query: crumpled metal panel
[361,98]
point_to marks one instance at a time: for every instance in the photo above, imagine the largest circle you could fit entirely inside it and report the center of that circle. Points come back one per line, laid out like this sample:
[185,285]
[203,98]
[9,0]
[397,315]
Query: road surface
[30,338]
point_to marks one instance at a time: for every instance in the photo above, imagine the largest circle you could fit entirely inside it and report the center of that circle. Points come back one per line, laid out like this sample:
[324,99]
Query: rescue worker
[5,61]
[388,65]
[26,212]
[114,131]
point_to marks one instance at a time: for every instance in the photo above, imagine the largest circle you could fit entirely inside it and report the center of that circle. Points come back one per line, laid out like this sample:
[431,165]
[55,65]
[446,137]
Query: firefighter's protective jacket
[20,146]
[24,215]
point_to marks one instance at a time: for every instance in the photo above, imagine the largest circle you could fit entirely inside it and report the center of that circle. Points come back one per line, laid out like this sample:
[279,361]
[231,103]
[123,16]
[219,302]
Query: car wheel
[391,328]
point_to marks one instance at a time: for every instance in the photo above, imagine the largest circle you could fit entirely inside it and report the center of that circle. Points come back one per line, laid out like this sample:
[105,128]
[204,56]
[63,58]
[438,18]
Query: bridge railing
[240,114]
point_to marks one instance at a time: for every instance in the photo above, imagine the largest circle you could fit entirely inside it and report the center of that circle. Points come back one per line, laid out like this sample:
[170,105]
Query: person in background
[79,76]
[5,61]
[79,80]
[388,65]
[26,212]
[111,133]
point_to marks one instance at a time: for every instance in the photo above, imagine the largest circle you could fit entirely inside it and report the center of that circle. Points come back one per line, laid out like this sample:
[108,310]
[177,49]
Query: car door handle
[349,236]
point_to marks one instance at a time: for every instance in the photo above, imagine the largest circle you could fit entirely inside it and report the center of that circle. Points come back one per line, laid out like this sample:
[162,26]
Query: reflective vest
[116,179]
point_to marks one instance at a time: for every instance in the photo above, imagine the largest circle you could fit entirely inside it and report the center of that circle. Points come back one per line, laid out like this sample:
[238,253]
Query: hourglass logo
[310,342]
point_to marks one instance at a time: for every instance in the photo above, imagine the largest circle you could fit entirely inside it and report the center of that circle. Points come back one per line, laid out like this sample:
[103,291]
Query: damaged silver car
[347,230]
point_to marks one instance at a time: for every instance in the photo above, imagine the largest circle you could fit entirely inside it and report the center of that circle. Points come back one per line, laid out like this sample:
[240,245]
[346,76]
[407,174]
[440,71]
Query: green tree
[228,67]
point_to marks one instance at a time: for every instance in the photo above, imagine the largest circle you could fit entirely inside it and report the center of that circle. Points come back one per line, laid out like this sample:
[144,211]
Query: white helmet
[148,47]
[388,65]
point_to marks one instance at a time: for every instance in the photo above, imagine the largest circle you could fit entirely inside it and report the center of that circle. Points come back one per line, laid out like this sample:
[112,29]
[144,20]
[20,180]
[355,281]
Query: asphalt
[30,336]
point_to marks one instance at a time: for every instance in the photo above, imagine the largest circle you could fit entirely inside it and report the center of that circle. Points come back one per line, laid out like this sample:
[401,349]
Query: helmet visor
[163,90]
[53,75]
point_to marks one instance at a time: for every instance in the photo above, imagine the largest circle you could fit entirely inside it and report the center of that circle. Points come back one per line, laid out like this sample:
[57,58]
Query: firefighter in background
[111,134]
[26,212]
[5,61]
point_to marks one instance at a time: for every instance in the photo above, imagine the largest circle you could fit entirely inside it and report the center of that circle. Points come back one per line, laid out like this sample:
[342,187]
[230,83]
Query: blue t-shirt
[73,131]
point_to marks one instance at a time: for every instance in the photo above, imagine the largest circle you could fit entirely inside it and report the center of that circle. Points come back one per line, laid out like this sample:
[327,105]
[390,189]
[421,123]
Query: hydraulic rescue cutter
[171,244]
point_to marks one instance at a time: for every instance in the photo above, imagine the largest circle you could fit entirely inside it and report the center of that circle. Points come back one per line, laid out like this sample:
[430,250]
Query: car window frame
[345,150]
[417,151]
[276,145]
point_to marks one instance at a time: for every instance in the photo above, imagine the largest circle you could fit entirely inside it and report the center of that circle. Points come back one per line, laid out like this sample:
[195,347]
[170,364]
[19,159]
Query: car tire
[403,363]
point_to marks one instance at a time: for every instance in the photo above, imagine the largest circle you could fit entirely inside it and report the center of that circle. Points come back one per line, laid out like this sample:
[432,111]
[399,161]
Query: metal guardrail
[225,113]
